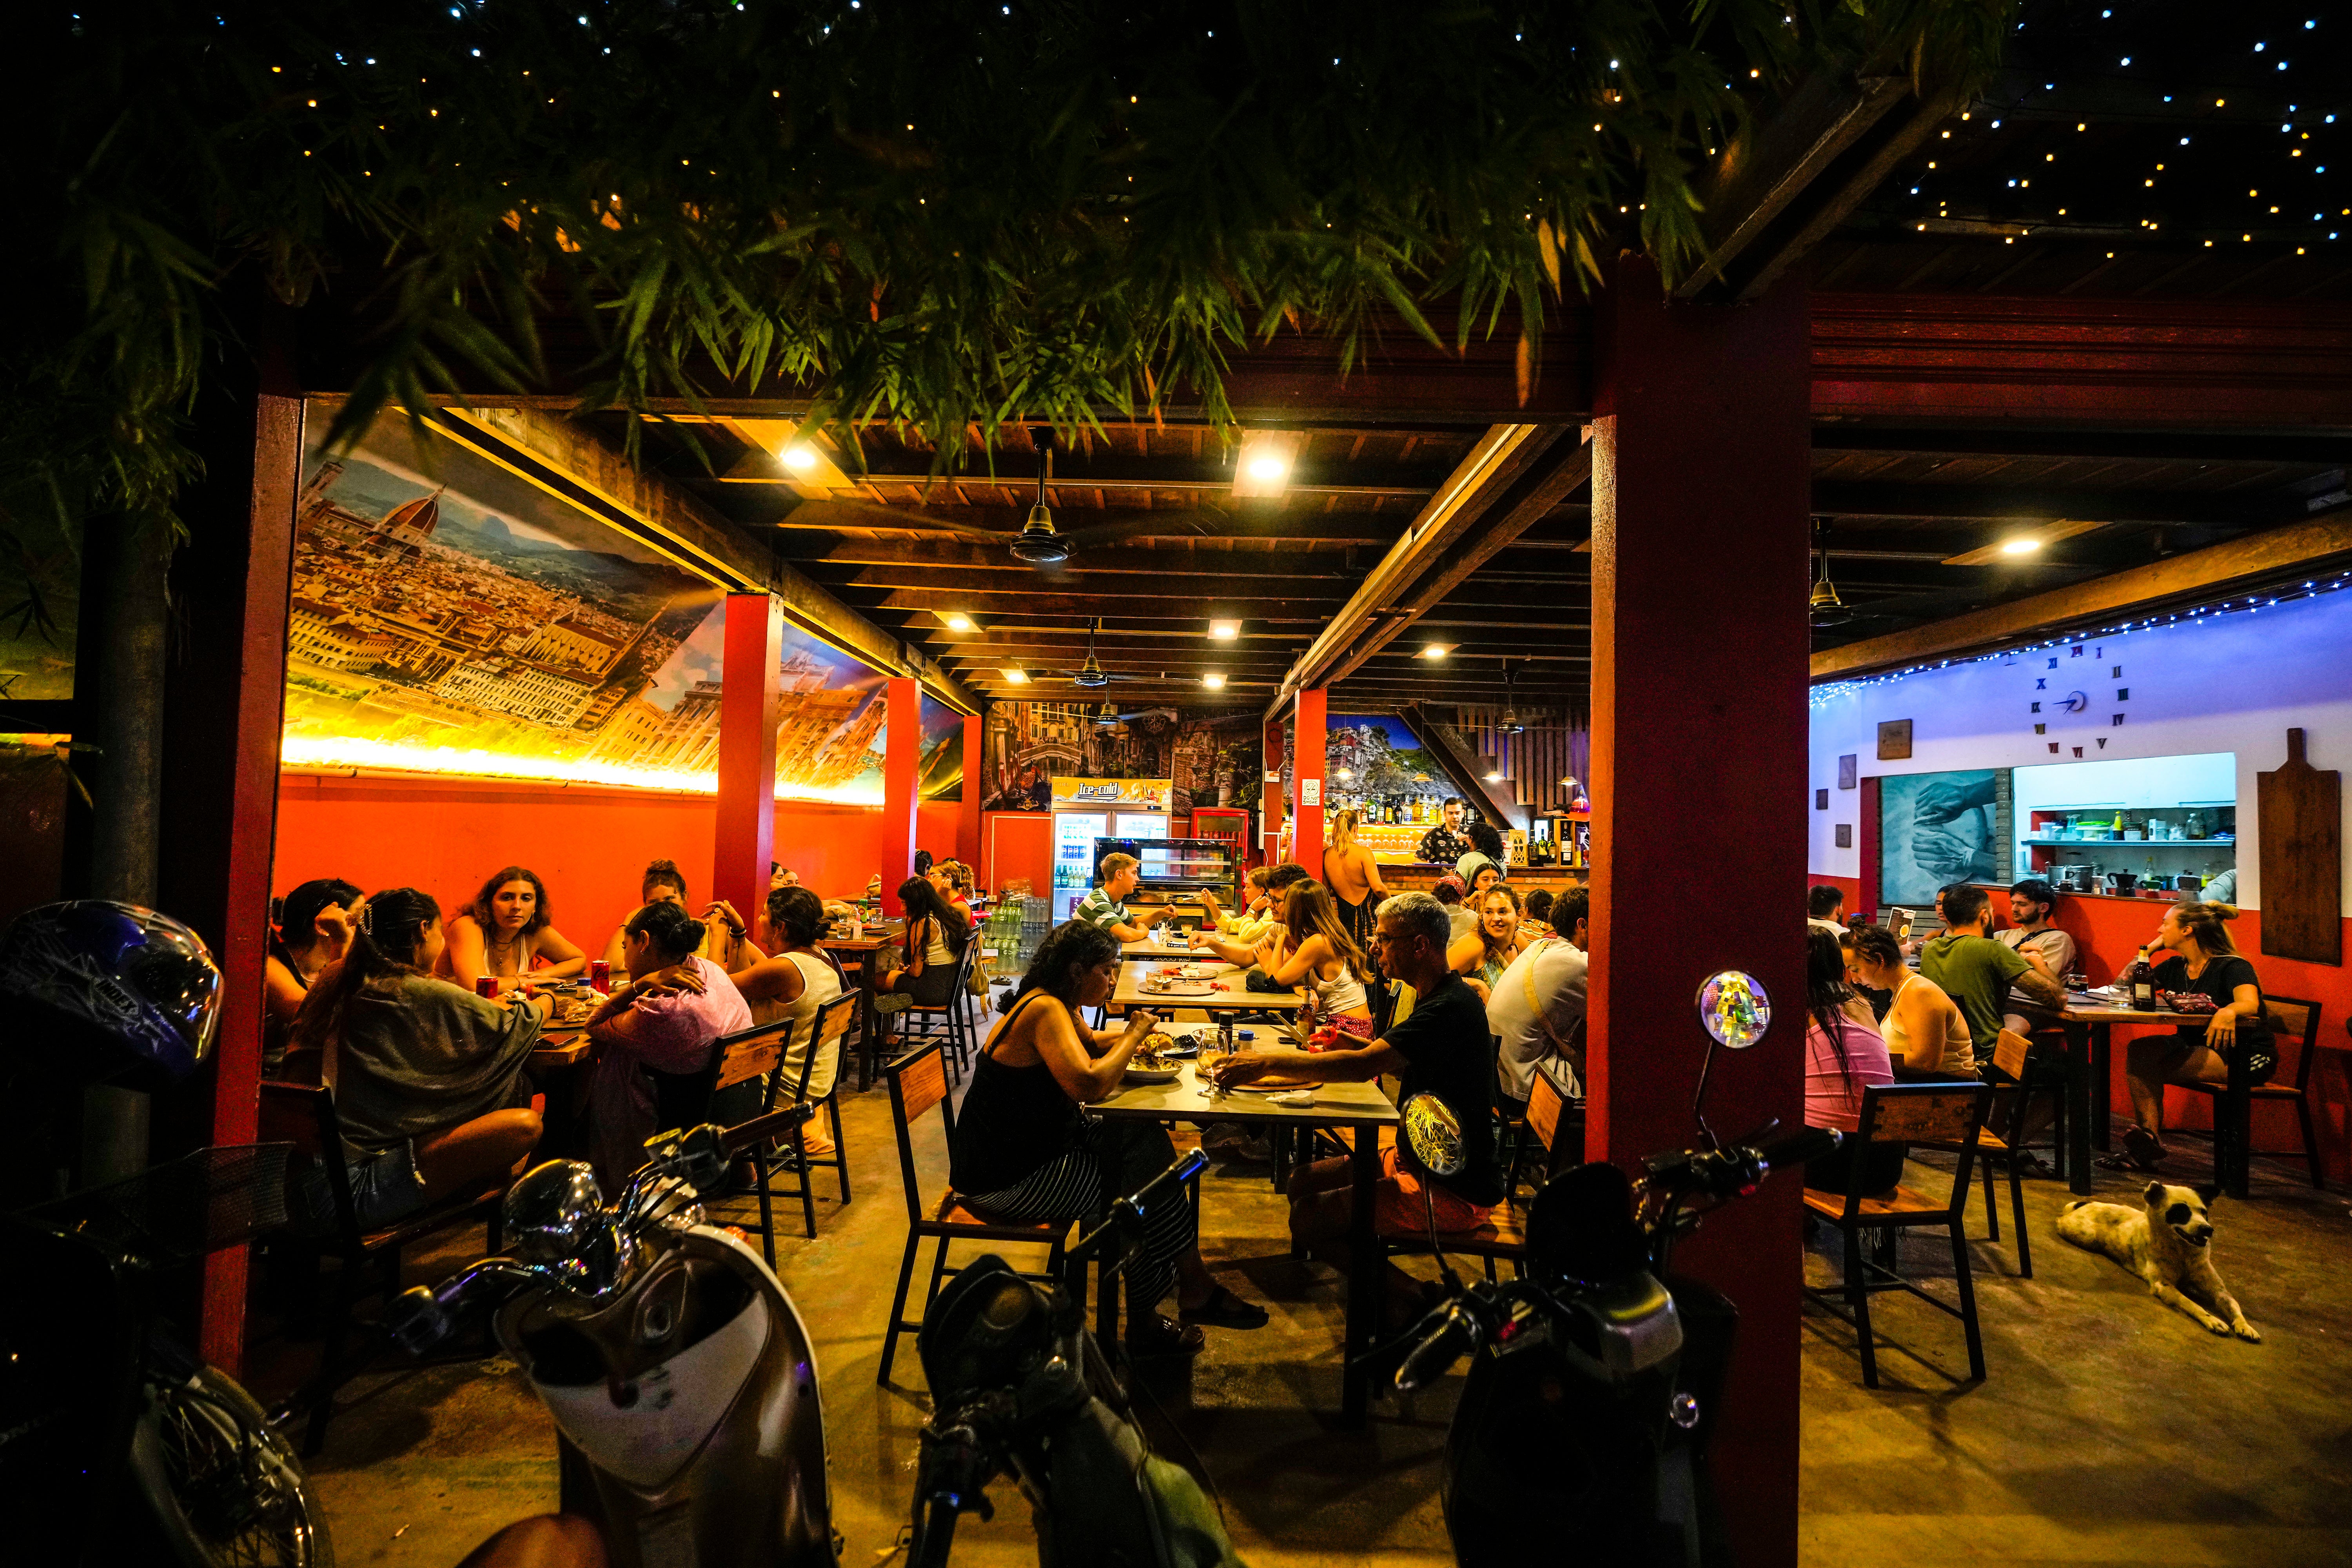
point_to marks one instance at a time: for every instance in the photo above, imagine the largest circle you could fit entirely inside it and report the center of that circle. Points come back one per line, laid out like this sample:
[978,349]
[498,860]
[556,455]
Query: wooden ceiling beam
[2300,547]
[1171,608]
[1308,578]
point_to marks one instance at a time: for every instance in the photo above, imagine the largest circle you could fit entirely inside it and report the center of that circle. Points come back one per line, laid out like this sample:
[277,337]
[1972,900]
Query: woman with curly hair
[506,931]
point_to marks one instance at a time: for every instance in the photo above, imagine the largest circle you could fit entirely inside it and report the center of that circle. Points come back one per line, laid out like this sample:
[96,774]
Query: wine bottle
[2143,983]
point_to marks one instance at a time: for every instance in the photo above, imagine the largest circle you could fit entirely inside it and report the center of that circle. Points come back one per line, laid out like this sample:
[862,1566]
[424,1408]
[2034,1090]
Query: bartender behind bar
[1444,845]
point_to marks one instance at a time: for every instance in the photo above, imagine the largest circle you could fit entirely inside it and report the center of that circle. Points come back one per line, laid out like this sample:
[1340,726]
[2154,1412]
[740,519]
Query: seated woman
[1312,948]
[1844,1055]
[1024,1148]
[1537,917]
[952,882]
[937,936]
[311,928]
[1478,872]
[1451,891]
[1926,1034]
[427,1076]
[665,1020]
[505,931]
[726,942]
[1482,955]
[793,982]
[2192,952]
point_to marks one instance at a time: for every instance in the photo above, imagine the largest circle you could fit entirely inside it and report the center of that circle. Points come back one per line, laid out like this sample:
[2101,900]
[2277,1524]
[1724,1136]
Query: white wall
[2234,682]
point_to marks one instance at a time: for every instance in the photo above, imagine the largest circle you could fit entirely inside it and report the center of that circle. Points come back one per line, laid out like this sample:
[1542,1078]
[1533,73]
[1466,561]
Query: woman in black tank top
[1024,1148]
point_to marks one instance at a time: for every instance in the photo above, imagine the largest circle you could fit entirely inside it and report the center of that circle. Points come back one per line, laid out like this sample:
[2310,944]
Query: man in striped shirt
[1103,905]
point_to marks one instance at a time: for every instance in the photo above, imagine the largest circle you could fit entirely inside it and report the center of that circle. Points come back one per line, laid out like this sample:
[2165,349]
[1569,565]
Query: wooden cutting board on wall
[2302,815]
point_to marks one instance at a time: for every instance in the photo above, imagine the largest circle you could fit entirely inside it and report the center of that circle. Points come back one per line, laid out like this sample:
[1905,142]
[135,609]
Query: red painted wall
[590,846]
[1017,844]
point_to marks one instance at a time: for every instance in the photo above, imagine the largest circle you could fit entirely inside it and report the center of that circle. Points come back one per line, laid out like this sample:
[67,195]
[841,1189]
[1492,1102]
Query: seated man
[2031,935]
[1247,928]
[1825,908]
[1103,904]
[1441,1050]
[1537,1010]
[1977,971]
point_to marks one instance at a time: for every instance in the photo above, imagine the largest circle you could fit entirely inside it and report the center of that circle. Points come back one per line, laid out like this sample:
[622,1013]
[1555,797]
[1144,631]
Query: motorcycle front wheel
[223,1488]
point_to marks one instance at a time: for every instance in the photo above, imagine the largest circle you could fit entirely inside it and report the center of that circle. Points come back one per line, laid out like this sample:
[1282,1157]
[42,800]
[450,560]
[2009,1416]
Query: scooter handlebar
[1456,1335]
[1796,1147]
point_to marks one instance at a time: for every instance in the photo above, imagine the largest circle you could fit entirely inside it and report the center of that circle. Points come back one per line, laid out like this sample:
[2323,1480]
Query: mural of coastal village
[450,617]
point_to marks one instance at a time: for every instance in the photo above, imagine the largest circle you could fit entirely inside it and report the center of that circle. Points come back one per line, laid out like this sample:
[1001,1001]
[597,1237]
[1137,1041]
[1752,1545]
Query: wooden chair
[829,1026]
[951,1025]
[2233,1102]
[1929,1113]
[1503,1238]
[304,1115]
[919,1081]
[2009,1056]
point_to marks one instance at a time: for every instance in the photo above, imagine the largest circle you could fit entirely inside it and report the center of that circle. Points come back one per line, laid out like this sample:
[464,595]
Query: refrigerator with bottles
[1088,809]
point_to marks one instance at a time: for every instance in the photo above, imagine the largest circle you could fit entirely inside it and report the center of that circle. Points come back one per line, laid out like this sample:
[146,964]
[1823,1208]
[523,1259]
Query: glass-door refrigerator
[1088,809]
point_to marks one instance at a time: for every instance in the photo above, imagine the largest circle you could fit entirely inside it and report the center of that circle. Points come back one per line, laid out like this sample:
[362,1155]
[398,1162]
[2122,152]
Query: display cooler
[1229,824]
[1168,869]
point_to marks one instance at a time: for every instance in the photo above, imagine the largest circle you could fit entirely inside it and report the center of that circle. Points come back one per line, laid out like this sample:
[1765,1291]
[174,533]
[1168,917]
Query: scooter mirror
[1734,1009]
[1434,1134]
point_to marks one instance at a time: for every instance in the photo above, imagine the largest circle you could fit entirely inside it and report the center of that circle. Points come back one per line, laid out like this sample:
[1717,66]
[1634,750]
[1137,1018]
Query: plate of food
[1160,987]
[1154,1061]
[1272,1083]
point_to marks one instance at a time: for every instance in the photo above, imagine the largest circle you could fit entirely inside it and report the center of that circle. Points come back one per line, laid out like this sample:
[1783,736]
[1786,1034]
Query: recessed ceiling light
[1436,650]
[1268,469]
[1213,680]
[958,621]
[2026,545]
[1224,631]
[799,459]
[1262,468]
[1015,675]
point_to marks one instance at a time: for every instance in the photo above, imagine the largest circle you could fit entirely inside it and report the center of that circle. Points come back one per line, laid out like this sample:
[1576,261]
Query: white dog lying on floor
[2167,1243]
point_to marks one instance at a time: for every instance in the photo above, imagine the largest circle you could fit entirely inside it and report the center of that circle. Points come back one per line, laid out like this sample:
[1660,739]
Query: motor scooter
[682,1380]
[1596,1377]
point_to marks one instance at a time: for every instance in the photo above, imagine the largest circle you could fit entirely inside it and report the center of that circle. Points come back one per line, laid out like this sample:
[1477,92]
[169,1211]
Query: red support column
[224,703]
[1269,820]
[975,790]
[1308,735]
[1699,644]
[750,660]
[902,750]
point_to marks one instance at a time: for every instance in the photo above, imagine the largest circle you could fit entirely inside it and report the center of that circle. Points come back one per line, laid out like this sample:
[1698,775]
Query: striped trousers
[1114,1159]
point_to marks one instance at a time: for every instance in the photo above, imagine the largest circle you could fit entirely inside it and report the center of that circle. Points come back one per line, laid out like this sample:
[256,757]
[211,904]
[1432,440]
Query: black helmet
[100,992]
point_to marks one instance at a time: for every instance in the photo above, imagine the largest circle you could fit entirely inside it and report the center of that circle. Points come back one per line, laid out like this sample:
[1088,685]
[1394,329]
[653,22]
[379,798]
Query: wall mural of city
[449,618]
[1212,760]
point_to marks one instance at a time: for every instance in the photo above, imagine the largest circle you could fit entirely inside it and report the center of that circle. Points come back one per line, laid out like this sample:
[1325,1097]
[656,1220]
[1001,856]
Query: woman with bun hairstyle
[2193,954]
[937,934]
[793,982]
[668,1018]
[507,932]
[427,1076]
[310,929]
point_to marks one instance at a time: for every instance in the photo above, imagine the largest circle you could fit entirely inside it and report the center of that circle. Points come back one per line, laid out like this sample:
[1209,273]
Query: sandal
[1224,1310]
[1156,1335]
[2141,1151]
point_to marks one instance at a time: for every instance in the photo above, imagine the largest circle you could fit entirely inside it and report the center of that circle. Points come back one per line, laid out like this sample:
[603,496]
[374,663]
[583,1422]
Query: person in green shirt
[1977,971]
[1105,905]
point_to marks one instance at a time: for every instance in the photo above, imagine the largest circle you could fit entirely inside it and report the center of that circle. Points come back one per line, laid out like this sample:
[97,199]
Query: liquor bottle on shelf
[2143,983]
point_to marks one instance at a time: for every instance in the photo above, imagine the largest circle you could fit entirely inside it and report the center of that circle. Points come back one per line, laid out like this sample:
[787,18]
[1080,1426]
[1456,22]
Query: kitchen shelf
[2130,843]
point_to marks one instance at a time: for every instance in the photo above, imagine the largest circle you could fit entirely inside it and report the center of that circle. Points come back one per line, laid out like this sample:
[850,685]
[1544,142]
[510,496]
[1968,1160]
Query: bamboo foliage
[936,213]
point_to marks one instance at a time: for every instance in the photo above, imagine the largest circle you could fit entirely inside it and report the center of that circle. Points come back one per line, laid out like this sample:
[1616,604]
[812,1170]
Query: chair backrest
[748,1053]
[827,1028]
[303,1114]
[1949,1113]
[917,1080]
[1544,1107]
[2008,1053]
[2291,1019]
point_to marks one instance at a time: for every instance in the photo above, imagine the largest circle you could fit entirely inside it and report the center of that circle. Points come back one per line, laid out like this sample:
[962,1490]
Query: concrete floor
[2110,1429]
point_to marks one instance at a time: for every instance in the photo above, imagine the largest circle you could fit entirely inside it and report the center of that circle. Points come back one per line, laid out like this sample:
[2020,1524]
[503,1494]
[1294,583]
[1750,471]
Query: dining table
[855,953]
[559,1066]
[1225,992]
[2089,1019]
[1188,1096]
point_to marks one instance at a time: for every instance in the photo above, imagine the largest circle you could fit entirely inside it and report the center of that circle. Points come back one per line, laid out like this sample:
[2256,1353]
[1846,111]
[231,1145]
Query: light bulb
[800,459]
[1268,469]
[2021,546]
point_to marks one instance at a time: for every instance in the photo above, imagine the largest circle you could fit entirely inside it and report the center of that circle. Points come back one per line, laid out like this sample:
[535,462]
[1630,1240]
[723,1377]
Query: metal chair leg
[1968,1304]
[898,1307]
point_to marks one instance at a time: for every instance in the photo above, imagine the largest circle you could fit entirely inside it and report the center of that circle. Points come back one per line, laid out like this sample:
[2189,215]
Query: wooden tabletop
[1150,947]
[2080,1009]
[560,1046]
[1336,1104]
[1237,998]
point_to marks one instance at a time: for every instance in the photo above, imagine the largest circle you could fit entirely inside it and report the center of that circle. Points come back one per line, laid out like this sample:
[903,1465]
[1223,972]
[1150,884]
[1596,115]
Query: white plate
[1151,1075]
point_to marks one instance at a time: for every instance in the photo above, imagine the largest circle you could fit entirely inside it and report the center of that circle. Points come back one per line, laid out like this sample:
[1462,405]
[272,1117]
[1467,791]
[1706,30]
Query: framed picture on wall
[1935,829]
[1894,741]
[1845,835]
[1846,770]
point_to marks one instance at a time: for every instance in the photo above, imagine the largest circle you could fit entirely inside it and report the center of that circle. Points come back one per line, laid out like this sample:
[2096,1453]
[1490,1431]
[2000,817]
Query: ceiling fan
[1825,608]
[1038,544]
[1090,675]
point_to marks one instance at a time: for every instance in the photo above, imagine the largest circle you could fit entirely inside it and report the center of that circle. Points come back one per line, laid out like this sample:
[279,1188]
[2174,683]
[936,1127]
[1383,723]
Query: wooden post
[1308,733]
[975,790]
[1269,822]
[902,752]
[1699,644]
[222,695]
[750,662]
